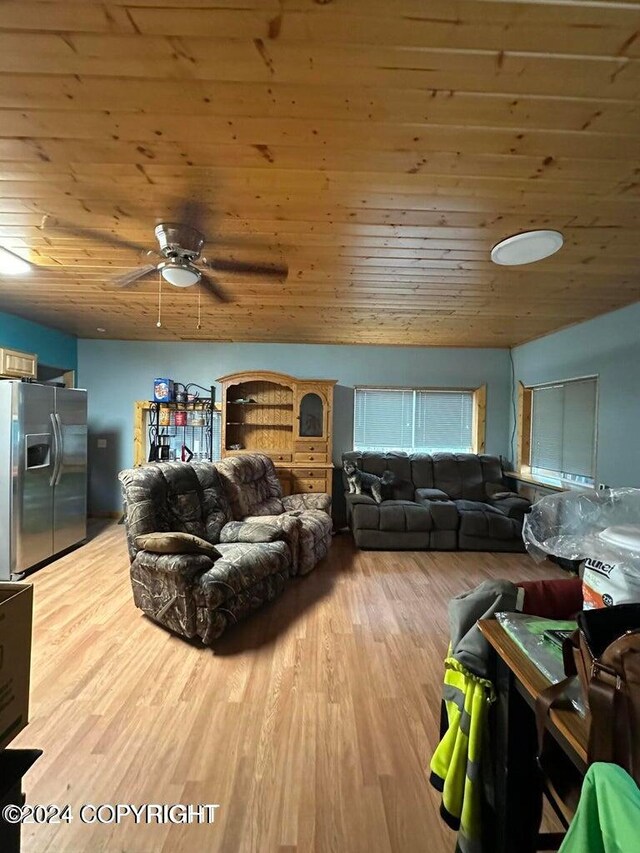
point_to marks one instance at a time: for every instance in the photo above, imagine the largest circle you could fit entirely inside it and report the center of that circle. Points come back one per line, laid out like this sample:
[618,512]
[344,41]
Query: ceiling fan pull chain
[159,323]
[199,323]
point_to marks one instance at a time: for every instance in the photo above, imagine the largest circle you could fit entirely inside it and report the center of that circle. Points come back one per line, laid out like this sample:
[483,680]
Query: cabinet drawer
[279,457]
[311,447]
[311,473]
[302,484]
[18,364]
[310,457]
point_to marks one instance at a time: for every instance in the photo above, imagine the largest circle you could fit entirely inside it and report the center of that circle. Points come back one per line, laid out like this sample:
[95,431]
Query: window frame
[479,408]
[524,434]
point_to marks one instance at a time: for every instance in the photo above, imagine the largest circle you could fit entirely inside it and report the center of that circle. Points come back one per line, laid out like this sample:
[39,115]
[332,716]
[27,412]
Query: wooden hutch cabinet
[289,419]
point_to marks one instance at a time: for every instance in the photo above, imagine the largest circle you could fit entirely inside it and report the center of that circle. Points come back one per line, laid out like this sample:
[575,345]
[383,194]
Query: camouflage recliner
[193,594]
[255,494]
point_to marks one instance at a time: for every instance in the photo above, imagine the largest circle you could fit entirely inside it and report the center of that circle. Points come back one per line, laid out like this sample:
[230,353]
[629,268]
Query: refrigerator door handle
[57,456]
[60,449]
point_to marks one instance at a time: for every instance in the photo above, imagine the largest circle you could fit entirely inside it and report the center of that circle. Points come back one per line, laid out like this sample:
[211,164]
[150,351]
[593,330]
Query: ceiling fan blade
[192,212]
[52,223]
[279,271]
[133,275]
[212,288]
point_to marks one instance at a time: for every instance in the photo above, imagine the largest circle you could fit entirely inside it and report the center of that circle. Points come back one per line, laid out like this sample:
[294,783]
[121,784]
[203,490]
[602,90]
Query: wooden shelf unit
[143,421]
[287,418]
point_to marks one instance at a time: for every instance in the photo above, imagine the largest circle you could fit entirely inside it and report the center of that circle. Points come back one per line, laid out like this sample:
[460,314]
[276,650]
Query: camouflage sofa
[192,594]
[255,494]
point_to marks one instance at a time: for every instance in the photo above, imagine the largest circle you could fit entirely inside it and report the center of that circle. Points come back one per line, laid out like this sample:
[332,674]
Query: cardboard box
[16,612]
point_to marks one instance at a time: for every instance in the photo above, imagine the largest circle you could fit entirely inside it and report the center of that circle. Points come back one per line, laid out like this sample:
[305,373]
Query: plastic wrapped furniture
[600,528]
[193,594]
[255,494]
[577,525]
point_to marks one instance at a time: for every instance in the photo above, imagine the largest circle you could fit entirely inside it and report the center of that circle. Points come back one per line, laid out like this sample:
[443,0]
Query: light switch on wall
[102,443]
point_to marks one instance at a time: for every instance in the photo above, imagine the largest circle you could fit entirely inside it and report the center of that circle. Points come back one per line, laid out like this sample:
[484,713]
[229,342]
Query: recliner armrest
[251,532]
[184,566]
[513,506]
[494,489]
[317,500]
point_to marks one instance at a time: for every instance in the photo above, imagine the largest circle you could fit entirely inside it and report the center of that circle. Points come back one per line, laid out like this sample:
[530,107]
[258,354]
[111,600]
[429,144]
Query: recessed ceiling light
[100,329]
[527,247]
[11,264]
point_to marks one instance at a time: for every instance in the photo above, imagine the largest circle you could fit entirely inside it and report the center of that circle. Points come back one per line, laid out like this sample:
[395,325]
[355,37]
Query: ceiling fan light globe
[180,276]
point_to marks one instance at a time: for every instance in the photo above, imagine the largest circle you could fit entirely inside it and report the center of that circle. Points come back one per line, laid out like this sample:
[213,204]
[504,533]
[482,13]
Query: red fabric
[552,599]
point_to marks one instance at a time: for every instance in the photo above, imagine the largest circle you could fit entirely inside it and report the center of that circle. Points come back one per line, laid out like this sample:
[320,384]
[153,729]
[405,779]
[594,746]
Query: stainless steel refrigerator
[43,473]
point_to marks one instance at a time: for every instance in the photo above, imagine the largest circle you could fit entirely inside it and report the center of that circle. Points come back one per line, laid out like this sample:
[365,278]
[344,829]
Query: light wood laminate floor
[311,723]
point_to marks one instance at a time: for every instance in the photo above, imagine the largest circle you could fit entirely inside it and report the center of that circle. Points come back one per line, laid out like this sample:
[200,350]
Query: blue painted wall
[116,373]
[609,347]
[53,348]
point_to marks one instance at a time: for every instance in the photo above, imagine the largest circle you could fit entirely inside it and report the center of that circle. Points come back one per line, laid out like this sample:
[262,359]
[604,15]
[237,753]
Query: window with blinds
[563,430]
[217,436]
[413,420]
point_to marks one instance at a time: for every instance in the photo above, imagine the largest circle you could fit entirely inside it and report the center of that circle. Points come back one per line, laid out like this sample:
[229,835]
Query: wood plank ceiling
[379,147]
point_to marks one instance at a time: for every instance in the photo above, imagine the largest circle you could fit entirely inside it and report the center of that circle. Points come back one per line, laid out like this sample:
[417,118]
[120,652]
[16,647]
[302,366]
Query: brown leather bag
[609,674]
[604,654]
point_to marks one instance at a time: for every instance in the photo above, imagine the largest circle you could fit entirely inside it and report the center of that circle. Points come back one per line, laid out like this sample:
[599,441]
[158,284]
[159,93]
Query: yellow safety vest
[455,764]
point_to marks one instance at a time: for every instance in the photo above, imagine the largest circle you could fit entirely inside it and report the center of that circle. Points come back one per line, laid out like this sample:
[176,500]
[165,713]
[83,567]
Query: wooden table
[518,789]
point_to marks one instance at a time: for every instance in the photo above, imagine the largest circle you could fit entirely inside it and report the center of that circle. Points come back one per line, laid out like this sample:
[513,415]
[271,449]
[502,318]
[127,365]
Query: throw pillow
[176,543]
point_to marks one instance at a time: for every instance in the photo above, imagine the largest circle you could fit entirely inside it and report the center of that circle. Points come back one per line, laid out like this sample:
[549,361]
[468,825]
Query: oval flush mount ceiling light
[527,247]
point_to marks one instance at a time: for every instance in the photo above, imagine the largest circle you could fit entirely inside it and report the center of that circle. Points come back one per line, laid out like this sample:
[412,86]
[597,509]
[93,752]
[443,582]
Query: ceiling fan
[180,260]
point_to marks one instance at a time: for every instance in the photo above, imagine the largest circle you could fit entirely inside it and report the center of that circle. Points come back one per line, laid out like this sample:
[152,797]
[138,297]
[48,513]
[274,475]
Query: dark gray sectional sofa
[442,502]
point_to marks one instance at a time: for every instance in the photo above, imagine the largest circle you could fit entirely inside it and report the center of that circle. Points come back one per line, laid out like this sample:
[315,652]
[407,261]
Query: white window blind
[563,428]
[413,420]
[217,436]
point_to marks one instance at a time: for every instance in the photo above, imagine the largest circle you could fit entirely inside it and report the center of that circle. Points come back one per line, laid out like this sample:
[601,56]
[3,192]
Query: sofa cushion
[377,463]
[430,495]
[251,531]
[251,485]
[491,468]
[444,514]
[353,499]
[446,474]
[398,490]
[515,506]
[392,516]
[476,506]
[184,498]
[422,470]
[315,538]
[160,498]
[459,475]
[480,521]
[240,567]
[176,543]
[216,510]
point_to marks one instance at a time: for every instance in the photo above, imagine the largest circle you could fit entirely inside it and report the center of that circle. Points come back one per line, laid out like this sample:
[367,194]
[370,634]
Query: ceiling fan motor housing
[179,241]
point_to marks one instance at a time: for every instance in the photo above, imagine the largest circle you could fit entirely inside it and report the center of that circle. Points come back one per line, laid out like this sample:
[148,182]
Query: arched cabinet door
[312,416]
[312,423]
